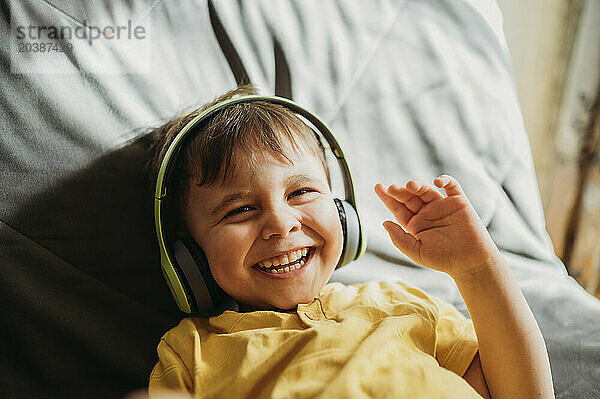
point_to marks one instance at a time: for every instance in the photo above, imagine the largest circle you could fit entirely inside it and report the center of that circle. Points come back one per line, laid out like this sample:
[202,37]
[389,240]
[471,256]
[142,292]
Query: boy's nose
[280,223]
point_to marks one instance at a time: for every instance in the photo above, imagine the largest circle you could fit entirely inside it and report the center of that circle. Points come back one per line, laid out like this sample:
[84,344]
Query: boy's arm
[446,234]
[511,347]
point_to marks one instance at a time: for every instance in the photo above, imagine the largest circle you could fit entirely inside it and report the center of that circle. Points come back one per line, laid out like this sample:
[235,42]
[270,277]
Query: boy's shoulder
[387,297]
[187,329]
[378,291]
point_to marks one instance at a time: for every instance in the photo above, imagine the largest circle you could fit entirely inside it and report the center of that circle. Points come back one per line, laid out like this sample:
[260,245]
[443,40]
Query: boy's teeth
[287,269]
[285,259]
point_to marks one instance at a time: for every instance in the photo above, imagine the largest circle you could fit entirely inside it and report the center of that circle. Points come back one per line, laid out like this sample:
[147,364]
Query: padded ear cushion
[351,231]
[192,261]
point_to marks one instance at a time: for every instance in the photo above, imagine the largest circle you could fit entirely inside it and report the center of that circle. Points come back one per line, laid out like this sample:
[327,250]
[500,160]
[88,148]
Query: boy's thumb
[404,241]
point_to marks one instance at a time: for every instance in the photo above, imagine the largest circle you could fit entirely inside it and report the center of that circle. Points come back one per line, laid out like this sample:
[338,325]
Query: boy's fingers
[450,185]
[401,212]
[425,192]
[404,241]
[410,200]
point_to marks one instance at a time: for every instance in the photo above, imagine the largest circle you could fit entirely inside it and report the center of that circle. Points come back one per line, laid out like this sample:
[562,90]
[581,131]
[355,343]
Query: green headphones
[184,264]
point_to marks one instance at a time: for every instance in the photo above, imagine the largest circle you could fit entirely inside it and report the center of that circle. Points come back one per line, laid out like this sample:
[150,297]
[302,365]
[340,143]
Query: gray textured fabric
[411,89]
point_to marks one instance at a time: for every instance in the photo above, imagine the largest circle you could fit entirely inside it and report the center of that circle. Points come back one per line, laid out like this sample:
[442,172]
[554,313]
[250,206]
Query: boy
[297,336]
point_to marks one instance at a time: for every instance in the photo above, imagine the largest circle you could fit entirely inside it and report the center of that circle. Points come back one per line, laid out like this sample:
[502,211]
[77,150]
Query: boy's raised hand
[440,232]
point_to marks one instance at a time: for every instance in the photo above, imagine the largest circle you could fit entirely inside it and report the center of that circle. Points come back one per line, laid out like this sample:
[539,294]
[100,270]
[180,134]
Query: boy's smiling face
[282,207]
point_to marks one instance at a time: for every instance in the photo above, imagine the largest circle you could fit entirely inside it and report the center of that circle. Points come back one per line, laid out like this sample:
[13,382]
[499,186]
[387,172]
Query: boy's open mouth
[289,267]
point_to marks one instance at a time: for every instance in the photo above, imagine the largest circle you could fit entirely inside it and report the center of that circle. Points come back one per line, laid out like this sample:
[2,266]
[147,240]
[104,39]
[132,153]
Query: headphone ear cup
[205,292]
[351,230]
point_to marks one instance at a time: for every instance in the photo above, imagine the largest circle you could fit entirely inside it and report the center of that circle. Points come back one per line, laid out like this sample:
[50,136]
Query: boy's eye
[303,191]
[238,210]
[243,208]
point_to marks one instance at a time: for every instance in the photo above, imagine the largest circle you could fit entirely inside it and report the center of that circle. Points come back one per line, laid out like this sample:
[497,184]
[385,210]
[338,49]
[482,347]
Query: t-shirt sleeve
[456,343]
[170,373]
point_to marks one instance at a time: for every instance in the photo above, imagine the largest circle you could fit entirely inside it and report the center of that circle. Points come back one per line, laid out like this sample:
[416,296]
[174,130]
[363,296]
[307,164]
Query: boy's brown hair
[249,127]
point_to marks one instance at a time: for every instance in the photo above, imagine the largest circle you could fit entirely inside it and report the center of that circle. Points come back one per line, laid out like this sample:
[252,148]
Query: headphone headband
[196,123]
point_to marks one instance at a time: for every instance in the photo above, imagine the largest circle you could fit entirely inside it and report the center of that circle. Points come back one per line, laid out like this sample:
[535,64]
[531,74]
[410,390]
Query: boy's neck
[247,308]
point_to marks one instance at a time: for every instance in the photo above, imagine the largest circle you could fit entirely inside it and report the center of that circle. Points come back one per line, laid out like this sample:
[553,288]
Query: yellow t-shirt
[371,340]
